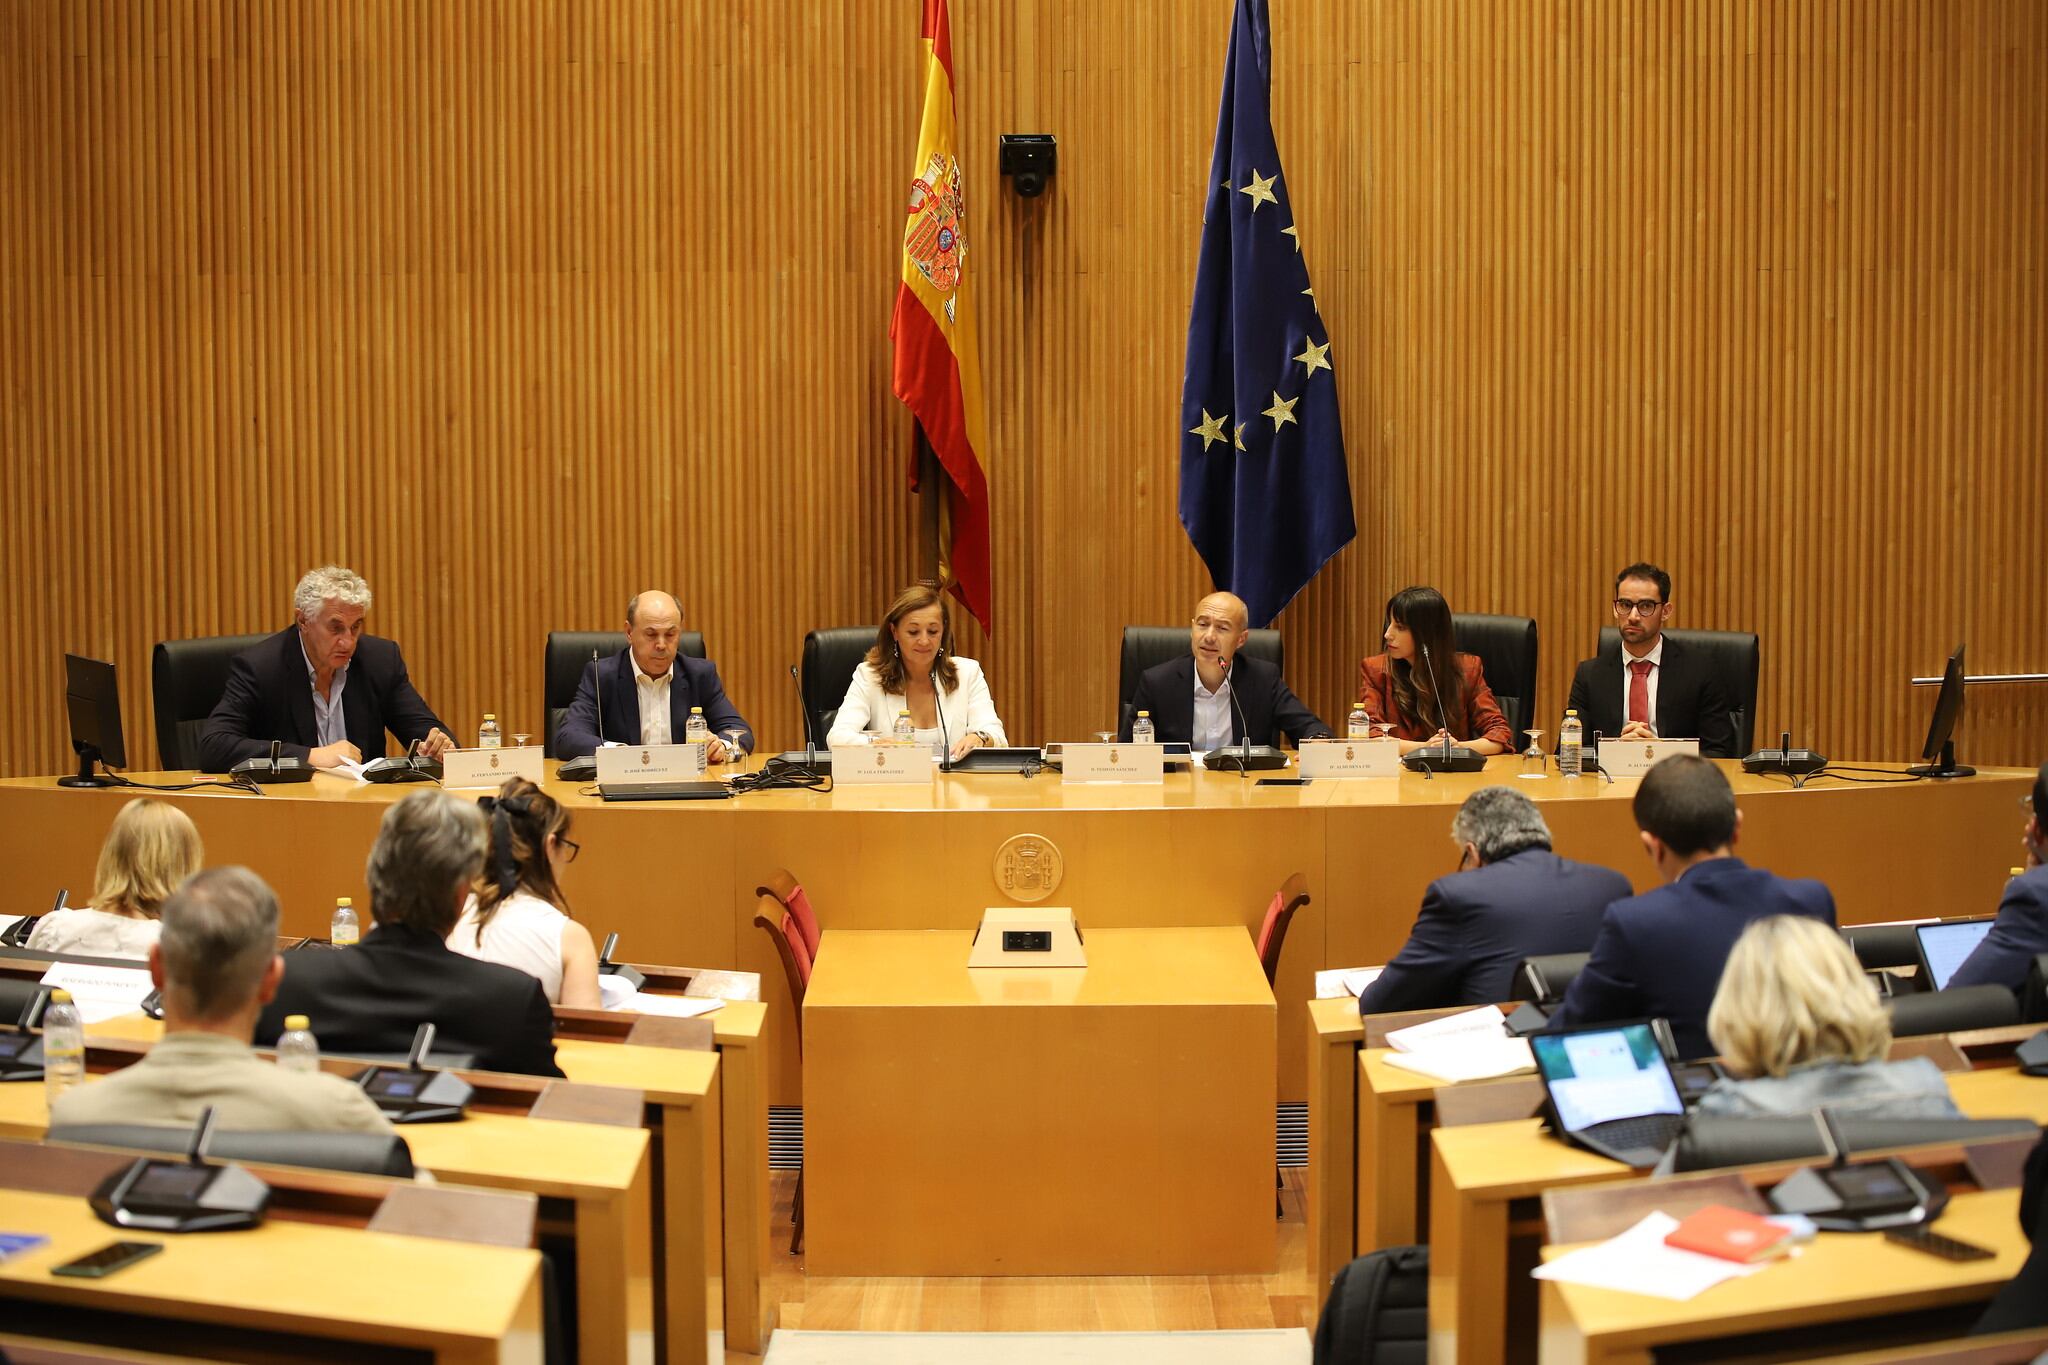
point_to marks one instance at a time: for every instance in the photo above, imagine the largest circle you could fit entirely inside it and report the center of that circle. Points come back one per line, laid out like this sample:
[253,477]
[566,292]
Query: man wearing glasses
[2021,930]
[1648,687]
[1213,695]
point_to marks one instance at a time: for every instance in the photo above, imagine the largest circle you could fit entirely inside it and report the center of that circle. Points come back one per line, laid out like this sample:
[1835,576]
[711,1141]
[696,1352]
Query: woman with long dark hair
[518,915]
[913,668]
[1399,687]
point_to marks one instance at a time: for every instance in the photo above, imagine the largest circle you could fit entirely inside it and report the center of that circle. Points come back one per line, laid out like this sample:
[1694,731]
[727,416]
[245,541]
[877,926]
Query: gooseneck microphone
[939,706]
[803,711]
[276,753]
[1436,690]
[597,690]
[1244,726]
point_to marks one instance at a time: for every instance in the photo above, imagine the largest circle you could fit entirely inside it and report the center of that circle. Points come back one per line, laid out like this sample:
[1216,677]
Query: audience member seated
[1399,687]
[2020,932]
[217,965]
[1518,900]
[912,667]
[150,850]
[1660,953]
[2023,1303]
[1801,1027]
[519,916]
[373,997]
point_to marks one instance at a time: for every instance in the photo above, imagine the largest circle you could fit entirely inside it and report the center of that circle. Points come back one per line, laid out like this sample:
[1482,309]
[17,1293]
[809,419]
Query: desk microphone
[804,711]
[1244,727]
[597,690]
[1450,759]
[939,706]
[422,1044]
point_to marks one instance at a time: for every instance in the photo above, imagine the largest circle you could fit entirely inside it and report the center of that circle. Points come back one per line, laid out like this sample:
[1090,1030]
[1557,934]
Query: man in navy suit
[1213,695]
[2020,933]
[1518,900]
[1660,954]
[648,690]
[320,687]
[1648,685]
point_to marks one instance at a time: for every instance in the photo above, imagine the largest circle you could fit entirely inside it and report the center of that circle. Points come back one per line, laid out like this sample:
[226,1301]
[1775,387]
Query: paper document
[101,993]
[1638,1262]
[348,769]
[1339,982]
[674,1006]
[1485,1024]
[1468,1060]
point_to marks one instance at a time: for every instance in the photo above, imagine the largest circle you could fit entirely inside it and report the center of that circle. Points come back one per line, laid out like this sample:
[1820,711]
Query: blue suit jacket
[2018,934]
[1476,927]
[696,684]
[1660,954]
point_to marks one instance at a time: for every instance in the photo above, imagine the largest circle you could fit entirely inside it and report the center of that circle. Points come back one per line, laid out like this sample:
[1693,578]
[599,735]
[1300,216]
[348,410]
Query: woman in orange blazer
[1399,686]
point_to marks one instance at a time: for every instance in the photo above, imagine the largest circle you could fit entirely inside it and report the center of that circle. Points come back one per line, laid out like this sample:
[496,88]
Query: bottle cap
[1146,714]
[696,710]
[297,1021]
[340,901]
[60,997]
[1572,713]
[490,715]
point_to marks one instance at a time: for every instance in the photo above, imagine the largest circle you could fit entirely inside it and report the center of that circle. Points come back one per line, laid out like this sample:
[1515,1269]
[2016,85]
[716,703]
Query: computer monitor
[1946,946]
[92,700]
[1940,749]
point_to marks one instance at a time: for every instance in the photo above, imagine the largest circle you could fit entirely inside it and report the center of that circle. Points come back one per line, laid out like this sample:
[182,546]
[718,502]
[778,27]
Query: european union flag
[1264,492]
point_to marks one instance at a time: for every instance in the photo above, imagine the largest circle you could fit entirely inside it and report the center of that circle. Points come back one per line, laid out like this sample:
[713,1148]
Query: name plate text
[1634,757]
[489,767]
[1136,763]
[625,764]
[876,764]
[1343,758]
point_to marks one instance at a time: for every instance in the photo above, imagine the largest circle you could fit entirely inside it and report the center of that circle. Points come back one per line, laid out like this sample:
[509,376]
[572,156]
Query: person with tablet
[912,667]
[1215,694]
[2020,933]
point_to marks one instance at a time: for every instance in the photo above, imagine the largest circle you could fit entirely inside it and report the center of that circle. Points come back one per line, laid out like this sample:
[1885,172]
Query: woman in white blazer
[912,668]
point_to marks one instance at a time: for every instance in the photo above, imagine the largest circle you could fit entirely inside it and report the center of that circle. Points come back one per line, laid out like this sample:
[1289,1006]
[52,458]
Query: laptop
[1609,1090]
[1943,947]
[996,761]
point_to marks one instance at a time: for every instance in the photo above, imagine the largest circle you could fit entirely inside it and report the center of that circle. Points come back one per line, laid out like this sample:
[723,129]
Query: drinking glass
[519,741]
[1534,759]
[1105,736]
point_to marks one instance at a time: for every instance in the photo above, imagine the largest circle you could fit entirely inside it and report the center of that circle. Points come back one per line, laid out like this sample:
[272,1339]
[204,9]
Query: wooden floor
[1107,1304]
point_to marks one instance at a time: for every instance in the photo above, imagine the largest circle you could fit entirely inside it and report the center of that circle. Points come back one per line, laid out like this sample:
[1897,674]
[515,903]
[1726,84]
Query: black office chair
[1543,980]
[1879,946]
[16,995]
[1506,649]
[1712,1142]
[829,658]
[2034,998]
[187,678]
[1952,1011]
[1149,646]
[1737,656]
[358,1153]
[568,654]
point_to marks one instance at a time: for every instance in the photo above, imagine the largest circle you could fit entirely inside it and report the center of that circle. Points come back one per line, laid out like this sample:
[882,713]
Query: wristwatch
[987,740]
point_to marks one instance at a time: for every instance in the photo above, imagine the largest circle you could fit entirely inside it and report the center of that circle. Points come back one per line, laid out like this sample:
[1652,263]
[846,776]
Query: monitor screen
[92,705]
[1603,1074]
[1948,708]
[171,1182]
[1944,946]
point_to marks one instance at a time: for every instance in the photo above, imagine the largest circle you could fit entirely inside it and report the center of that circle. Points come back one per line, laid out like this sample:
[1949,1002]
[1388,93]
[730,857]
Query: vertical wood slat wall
[517,309]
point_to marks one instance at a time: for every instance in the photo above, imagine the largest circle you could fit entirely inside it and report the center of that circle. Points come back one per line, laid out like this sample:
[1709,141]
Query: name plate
[625,764]
[1137,763]
[1634,757]
[1341,758]
[878,764]
[489,767]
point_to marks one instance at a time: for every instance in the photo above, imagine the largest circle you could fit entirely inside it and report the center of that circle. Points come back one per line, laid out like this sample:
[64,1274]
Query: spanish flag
[938,366]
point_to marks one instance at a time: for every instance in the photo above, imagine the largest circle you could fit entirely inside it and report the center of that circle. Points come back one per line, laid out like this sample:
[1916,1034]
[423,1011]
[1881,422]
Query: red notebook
[1729,1234]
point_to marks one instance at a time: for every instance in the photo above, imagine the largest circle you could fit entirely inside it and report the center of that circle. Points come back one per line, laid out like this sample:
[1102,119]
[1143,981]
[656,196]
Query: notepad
[1338,982]
[1638,1262]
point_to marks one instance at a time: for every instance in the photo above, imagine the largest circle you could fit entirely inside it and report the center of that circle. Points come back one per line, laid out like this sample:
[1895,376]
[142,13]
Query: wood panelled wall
[517,308]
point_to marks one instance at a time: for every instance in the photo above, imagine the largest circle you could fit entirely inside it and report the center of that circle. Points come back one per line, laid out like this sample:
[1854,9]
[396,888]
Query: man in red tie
[1648,686]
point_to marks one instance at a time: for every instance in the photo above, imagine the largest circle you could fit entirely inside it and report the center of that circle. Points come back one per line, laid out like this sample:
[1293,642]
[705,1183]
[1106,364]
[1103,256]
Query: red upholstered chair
[1292,895]
[783,930]
[790,892]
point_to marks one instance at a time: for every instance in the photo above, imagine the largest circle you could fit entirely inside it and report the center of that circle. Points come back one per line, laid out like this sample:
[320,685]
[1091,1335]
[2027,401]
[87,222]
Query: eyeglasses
[1624,607]
[571,845]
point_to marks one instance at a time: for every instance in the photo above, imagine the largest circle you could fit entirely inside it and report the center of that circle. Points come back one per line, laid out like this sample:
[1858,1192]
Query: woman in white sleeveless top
[518,915]
[151,849]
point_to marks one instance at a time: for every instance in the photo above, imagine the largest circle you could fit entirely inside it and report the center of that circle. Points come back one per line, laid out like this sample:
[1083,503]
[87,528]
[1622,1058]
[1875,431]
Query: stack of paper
[675,1006]
[1473,1046]
[1339,982]
[1638,1262]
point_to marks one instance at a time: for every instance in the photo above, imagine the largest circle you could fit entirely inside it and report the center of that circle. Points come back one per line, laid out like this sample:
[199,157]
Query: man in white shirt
[1649,686]
[648,690]
[1216,695]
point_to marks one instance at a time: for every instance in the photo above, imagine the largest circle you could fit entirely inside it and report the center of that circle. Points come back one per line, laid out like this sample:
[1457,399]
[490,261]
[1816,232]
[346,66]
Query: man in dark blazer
[373,997]
[2020,933]
[1647,685]
[320,687]
[1660,954]
[648,688]
[1518,900]
[1191,703]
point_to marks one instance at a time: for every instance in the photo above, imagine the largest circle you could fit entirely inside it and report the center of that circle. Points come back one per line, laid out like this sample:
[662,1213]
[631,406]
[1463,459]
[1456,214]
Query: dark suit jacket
[2024,1300]
[696,684]
[1265,706]
[1659,955]
[269,697]
[1476,927]
[2017,936]
[1691,703]
[374,997]
[1482,718]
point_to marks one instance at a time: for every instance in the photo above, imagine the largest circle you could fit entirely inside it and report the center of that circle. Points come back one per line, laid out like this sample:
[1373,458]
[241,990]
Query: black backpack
[1378,1311]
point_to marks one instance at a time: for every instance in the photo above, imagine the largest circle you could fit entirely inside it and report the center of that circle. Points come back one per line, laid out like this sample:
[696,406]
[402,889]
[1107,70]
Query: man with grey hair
[1517,900]
[648,689]
[373,997]
[216,963]
[320,687]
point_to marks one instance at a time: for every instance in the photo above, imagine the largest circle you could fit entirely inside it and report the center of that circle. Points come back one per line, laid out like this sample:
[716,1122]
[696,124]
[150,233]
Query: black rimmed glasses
[1647,607]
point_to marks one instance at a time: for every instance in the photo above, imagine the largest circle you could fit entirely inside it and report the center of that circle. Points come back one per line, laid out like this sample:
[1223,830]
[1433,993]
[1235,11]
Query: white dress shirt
[330,726]
[1212,715]
[868,711]
[654,695]
[1628,678]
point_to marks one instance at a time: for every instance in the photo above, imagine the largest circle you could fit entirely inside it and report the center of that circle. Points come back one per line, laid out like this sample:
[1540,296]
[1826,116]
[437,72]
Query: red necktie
[1639,690]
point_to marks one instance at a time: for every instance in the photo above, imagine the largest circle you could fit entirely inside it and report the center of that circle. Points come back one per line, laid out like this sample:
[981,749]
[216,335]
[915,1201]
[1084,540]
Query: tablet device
[1944,946]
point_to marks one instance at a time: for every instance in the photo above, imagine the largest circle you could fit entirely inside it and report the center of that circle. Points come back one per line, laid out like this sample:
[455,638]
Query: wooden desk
[1482,1182]
[462,1304]
[1866,1289]
[1109,1120]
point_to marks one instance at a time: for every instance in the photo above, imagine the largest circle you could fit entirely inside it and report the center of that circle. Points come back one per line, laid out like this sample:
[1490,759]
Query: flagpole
[930,490]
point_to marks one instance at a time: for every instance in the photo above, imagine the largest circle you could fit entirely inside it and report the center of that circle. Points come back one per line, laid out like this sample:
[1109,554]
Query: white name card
[1634,757]
[626,764]
[489,767]
[1342,758]
[1139,763]
[879,764]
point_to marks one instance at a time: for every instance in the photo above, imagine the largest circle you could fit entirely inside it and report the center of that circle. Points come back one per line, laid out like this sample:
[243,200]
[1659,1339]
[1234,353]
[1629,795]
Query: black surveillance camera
[1028,159]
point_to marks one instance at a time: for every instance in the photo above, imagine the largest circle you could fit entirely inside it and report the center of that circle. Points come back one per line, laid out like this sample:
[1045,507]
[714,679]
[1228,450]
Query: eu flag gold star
[1293,232]
[1314,356]
[1211,429]
[1237,436]
[1282,412]
[1261,190]
[1310,294]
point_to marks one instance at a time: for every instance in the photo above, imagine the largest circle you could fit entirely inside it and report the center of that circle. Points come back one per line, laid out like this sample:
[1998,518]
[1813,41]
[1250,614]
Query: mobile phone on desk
[1283,781]
[97,1265]
[1920,1237]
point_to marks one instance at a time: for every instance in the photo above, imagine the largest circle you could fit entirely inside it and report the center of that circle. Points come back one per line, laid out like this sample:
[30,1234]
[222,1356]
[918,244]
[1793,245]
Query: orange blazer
[1482,718]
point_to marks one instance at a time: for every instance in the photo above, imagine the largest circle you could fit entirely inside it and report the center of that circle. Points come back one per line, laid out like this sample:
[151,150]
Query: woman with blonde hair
[913,668]
[1799,1027]
[518,915]
[149,852]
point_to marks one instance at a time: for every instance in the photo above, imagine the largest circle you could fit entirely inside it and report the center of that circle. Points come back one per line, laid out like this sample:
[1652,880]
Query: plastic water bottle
[296,1049]
[1141,729]
[1571,742]
[1358,725]
[343,933]
[488,735]
[906,729]
[63,1046]
[696,730]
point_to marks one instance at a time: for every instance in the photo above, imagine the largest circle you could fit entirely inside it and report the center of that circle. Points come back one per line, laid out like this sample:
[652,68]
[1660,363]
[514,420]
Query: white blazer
[869,711]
